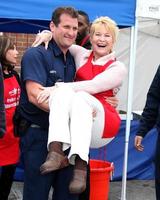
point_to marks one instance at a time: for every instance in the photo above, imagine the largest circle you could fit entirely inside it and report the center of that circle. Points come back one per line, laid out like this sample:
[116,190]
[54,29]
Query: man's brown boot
[78,182]
[55,159]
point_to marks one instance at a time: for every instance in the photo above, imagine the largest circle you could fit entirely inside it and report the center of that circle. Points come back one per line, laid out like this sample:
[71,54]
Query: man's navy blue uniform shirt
[45,67]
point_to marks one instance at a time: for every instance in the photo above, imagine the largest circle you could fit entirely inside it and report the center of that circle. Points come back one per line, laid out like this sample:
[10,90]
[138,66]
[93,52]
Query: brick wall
[22,42]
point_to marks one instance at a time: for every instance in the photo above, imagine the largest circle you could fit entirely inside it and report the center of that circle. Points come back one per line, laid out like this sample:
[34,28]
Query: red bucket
[100,174]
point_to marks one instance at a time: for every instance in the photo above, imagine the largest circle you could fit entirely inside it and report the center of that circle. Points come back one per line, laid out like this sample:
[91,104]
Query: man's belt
[35,126]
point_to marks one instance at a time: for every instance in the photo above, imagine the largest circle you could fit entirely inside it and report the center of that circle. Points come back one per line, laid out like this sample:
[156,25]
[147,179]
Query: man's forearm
[43,106]
[33,89]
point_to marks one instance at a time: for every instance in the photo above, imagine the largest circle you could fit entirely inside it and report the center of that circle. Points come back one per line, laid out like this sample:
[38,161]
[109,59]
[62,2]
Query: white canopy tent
[18,14]
[26,17]
[147,60]
[149,9]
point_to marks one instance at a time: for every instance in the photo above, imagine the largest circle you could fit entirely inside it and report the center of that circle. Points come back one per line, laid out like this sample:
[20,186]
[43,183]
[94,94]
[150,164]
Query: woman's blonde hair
[108,23]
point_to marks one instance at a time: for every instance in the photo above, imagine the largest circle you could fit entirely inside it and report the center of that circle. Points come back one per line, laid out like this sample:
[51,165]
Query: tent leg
[134,31]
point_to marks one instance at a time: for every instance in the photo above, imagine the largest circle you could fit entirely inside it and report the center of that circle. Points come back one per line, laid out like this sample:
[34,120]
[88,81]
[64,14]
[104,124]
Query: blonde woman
[80,117]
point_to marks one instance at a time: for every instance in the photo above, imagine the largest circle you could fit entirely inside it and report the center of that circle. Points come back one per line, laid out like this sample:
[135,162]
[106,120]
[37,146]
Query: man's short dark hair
[63,10]
[85,15]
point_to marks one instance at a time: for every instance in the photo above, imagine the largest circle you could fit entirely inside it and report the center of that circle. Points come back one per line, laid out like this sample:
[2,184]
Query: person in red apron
[83,38]
[80,117]
[9,144]
[2,109]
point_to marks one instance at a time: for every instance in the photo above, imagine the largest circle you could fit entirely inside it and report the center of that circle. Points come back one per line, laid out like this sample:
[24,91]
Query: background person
[83,37]
[2,108]
[98,73]
[150,118]
[42,67]
[9,144]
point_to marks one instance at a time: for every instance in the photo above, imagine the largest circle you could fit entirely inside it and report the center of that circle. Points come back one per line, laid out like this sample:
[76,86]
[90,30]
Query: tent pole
[133,44]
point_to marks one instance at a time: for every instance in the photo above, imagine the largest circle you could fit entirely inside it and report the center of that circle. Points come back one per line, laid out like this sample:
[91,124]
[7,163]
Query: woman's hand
[45,93]
[138,143]
[44,37]
[113,101]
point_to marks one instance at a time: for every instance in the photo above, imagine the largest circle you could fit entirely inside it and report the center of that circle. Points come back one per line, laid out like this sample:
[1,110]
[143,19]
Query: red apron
[112,120]
[9,145]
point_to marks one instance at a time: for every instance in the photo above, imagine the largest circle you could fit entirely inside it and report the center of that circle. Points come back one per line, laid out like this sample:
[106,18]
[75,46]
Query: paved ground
[136,190]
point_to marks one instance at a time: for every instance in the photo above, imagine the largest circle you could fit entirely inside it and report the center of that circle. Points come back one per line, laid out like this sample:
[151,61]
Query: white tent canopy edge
[151,9]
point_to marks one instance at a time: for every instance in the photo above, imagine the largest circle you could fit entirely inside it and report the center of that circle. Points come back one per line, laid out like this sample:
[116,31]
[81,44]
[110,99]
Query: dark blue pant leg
[34,152]
[6,180]
[61,187]
[157,168]
[37,186]
[85,195]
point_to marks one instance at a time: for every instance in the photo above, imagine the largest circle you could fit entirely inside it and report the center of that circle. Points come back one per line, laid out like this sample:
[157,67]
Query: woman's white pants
[71,122]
